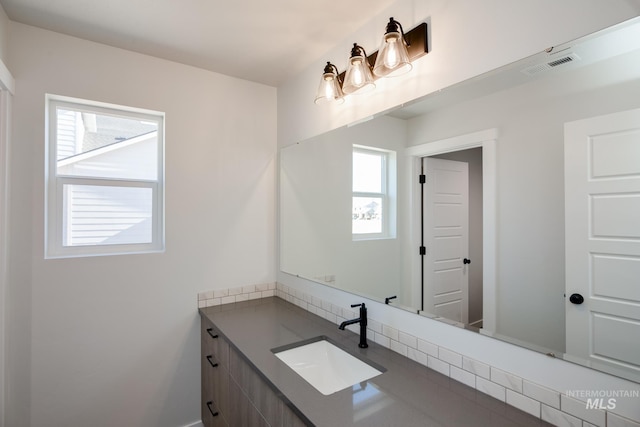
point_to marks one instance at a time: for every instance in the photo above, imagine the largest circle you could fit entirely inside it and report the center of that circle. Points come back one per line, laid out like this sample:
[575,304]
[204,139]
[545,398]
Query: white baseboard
[196,424]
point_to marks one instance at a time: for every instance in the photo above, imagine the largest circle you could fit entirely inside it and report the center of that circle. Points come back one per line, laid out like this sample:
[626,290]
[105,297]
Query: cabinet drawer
[213,343]
[211,415]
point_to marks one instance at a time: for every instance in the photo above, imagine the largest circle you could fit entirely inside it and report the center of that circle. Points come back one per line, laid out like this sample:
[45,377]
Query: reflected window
[373,181]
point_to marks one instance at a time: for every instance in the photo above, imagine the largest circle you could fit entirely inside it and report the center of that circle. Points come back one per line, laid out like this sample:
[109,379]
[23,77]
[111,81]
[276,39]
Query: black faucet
[363,324]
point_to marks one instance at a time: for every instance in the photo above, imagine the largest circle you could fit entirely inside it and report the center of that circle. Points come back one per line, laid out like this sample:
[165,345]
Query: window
[373,212]
[105,179]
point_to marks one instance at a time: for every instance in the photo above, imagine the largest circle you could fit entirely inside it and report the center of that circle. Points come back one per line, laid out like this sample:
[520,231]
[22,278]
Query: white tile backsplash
[268,293]
[558,418]
[578,408]
[478,368]
[541,394]
[382,340]
[450,357]
[219,293]
[228,299]
[390,332]
[408,340]
[235,291]
[463,376]
[332,318]
[398,347]
[371,324]
[614,420]
[507,380]
[427,347]
[523,403]
[492,389]
[438,365]
[248,289]
[542,402]
[418,356]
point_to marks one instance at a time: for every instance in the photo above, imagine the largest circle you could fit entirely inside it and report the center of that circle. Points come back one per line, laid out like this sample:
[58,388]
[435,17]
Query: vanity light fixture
[358,76]
[394,58]
[330,88]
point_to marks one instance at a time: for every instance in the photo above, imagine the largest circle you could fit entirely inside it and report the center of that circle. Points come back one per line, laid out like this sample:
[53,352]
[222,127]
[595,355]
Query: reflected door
[602,226]
[446,237]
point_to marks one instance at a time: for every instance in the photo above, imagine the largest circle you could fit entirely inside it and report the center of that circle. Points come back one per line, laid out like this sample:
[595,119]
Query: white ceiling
[264,41]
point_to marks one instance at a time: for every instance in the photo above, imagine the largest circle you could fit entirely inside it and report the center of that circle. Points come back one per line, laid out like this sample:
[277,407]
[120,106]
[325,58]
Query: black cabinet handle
[466,261]
[210,332]
[209,357]
[213,414]
[576,299]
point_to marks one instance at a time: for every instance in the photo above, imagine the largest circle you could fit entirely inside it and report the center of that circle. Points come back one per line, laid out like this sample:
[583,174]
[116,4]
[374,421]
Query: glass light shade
[393,58]
[358,76]
[329,88]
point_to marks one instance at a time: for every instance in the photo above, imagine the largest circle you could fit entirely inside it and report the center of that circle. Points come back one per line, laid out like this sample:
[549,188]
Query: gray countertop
[407,394]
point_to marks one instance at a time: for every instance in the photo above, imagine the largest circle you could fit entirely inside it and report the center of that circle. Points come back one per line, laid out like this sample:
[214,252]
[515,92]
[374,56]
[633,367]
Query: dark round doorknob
[576,299]
[466,261]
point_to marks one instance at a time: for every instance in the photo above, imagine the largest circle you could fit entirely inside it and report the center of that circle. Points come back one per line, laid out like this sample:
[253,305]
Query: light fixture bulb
[329,89]
[358,77]
[393,57]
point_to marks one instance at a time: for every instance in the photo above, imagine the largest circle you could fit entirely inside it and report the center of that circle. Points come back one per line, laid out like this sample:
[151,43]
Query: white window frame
[54,183]
[387,194]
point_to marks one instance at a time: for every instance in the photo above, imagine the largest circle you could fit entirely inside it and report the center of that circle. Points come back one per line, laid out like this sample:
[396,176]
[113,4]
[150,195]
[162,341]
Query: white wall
[468,38]
[114,340]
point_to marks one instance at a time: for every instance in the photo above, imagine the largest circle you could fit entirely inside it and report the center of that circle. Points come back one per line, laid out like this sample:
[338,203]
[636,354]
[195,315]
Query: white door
[446,238]
[602,227]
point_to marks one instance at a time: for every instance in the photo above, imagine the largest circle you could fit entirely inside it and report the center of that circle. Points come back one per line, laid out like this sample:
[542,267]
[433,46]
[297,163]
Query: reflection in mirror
[320,240]
[374,188]
[516,290]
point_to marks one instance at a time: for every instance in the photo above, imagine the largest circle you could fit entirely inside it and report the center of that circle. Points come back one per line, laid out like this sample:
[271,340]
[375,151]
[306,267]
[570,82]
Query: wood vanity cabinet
[233,393]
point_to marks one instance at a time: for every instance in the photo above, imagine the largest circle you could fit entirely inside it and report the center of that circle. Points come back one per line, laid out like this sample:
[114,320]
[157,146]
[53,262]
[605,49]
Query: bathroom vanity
[245,384]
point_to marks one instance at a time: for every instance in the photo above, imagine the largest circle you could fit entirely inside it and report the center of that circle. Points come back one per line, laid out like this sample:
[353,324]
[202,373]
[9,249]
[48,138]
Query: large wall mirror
[508,204]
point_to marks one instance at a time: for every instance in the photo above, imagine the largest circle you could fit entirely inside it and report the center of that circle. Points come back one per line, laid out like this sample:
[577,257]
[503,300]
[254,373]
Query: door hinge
[423,178]
[423,250]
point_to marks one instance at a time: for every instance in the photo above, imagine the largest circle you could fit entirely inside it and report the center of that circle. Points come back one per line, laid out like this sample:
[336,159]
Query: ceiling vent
[539,68]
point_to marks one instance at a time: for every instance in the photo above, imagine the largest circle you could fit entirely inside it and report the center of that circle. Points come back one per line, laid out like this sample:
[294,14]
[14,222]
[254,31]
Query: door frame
[7,88]
[487,140]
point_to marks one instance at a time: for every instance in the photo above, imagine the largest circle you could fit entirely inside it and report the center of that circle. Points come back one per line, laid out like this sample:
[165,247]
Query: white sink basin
[326,367]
